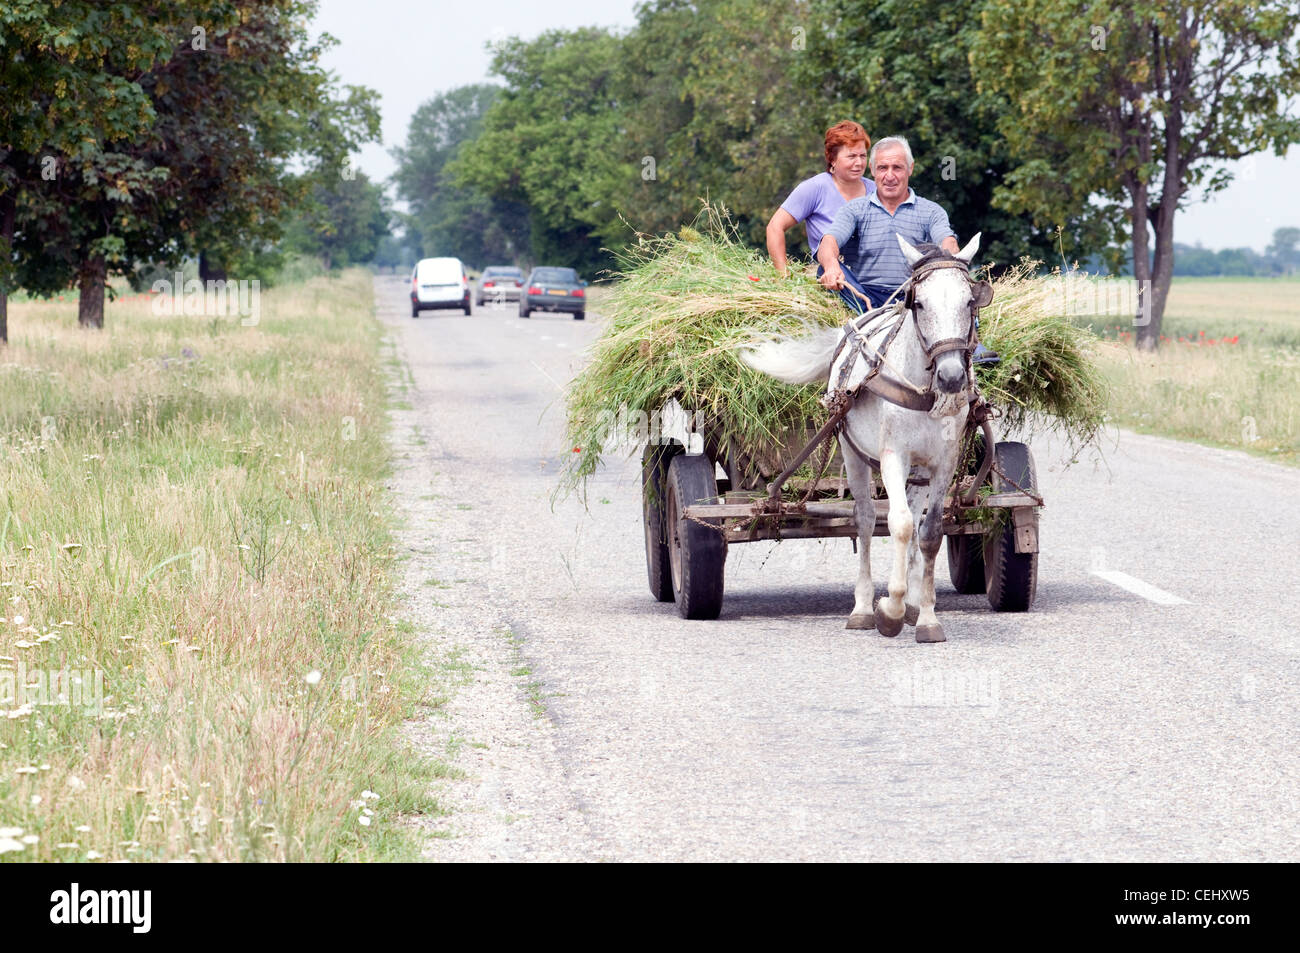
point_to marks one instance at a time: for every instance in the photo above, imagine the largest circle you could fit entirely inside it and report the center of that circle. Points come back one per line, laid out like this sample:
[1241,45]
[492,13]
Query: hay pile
[684,304]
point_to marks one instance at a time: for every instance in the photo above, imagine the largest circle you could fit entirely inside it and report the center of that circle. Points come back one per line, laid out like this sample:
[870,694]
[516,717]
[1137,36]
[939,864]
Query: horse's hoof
[911,614]
[860,620]
[930,633]
[885,625]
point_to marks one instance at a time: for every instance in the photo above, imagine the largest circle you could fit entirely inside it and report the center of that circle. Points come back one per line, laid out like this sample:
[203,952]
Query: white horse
[909,376]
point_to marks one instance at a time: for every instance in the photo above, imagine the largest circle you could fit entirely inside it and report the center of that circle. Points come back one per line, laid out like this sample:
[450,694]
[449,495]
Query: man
[878,266]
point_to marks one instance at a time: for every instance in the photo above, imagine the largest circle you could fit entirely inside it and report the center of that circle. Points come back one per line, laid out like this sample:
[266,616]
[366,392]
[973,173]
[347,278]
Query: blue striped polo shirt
[877,259]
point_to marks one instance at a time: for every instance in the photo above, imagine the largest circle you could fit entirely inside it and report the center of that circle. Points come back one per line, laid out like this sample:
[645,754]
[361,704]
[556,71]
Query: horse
[911,434]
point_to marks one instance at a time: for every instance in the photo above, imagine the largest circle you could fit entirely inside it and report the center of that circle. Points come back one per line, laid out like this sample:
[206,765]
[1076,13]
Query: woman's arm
[777,225]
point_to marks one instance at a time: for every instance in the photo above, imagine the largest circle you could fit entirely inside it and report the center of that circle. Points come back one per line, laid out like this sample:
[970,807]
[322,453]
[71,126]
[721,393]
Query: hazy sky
[410,51]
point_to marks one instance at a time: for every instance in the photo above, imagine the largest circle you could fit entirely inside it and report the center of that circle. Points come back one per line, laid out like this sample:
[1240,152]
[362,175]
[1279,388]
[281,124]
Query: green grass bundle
[684,305]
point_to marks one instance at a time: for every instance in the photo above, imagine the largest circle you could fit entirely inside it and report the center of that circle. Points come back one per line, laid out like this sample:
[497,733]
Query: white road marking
[1138,587]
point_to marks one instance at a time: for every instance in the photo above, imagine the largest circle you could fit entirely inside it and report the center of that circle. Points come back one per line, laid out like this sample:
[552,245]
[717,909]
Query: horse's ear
[909,250]
[982,292]
[972,246]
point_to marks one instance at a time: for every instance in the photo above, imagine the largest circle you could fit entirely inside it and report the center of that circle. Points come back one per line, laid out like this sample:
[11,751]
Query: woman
[815,201]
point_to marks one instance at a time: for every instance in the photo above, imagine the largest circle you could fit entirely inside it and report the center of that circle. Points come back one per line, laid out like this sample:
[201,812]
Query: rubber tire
[966,550]
[1011,577]
[701,552]
[523,309]
[966,563]
[468,308]
[580,316]
[654,490]
[415,310]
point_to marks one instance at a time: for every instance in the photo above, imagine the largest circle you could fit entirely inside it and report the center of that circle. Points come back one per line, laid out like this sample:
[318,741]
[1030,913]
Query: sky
[411,50]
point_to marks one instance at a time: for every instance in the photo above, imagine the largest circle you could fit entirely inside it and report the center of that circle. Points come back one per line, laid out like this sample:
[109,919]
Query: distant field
[1244,395]
[1259,311]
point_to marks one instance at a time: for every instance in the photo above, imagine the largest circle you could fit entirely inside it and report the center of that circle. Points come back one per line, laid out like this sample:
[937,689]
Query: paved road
[1100,726]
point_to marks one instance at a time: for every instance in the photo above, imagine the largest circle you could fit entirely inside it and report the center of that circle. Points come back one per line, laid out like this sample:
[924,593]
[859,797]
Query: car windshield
[558,276]
[503,273]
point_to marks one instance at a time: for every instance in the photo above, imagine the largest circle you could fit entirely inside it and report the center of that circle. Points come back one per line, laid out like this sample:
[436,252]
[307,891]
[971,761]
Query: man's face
[891,173]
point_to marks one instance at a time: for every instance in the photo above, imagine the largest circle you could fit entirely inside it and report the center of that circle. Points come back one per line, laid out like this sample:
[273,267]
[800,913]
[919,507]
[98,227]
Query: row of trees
[1049,125]
[1281,257]
[148,131]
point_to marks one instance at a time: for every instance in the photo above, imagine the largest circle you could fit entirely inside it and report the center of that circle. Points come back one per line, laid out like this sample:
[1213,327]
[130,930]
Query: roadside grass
[1233,382]
[192,516]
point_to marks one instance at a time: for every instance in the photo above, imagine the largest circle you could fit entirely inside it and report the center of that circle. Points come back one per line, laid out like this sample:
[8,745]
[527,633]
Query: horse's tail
[800,360]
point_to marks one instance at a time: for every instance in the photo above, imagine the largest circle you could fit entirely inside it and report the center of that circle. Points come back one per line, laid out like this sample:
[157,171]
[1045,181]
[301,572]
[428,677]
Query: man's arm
[828,256]
[843,227]
[941,232]
[777,226]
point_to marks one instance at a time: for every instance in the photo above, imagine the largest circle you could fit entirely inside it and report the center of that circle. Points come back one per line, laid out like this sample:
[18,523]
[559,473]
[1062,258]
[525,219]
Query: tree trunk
[1140,213]
[210,271]
[8,205]
[90,281]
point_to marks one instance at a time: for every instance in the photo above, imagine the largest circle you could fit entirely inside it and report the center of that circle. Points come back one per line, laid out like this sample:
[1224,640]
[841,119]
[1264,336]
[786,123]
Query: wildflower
[363,820]
[8,845]
[312,677]
[93,855]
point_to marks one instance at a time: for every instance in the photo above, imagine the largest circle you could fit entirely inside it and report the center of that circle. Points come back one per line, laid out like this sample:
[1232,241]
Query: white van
[439,283]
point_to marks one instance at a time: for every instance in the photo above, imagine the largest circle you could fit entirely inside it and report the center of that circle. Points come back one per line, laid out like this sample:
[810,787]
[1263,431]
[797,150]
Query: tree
[452,219]
[69,93]
[233,94]
[710,107]
[1283,249]
[902,67]
[341,222]
[1126,109]
[546,138]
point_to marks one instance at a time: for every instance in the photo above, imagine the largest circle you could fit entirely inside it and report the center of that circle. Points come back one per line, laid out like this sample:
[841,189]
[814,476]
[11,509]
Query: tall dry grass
[191,511]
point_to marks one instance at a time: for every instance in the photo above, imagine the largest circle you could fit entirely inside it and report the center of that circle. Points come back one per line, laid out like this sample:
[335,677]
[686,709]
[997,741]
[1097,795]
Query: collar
[910,200]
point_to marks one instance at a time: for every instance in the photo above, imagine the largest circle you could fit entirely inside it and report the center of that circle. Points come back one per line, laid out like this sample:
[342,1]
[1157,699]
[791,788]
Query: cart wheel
[654,494]
[1011,577]
[697,553]
[966,551]
[966,563]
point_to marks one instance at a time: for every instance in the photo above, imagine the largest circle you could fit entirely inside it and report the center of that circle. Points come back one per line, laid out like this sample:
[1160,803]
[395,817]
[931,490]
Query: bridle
[981,295]
[896,388]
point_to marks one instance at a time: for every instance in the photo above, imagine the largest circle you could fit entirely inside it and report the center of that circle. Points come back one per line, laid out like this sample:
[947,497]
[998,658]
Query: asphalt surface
[595,724]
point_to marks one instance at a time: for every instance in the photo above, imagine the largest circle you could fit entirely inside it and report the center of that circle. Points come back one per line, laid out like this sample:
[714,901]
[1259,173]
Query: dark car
[554,289]
[500,283]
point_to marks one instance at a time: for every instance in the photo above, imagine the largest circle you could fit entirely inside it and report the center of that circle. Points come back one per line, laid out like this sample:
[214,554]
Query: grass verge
[198,658]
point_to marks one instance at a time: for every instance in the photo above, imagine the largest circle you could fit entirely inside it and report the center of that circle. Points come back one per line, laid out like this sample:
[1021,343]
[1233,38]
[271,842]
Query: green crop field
[1228,373]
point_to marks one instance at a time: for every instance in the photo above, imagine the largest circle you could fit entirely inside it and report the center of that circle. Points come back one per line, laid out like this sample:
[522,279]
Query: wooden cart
[693,515]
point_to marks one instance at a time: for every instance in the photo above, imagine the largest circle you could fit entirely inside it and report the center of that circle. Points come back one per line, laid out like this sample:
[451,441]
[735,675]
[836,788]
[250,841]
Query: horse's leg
[929,538]
[864,511]
[916,497]
[893,473]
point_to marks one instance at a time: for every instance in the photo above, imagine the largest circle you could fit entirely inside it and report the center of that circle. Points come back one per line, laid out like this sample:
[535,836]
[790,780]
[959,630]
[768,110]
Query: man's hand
[950,245]
[832,277]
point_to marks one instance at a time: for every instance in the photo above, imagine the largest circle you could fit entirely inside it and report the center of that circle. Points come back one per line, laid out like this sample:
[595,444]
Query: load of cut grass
[684,305]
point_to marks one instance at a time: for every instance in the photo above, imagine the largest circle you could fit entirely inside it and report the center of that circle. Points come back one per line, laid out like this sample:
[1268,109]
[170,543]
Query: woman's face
[850,161]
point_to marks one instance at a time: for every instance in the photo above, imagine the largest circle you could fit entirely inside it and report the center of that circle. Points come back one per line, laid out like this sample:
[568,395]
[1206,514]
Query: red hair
[843,134]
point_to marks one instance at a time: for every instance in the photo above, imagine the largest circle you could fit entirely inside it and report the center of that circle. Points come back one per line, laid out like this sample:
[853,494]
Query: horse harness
[895,390]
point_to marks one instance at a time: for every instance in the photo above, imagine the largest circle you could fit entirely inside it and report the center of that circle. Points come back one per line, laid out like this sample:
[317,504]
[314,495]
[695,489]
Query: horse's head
[943,301]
